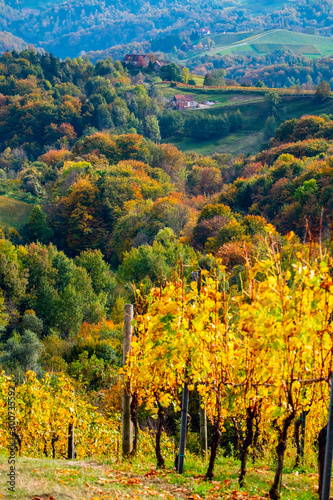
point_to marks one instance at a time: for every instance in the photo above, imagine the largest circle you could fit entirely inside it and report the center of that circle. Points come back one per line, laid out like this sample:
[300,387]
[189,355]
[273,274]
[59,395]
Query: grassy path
[47,479]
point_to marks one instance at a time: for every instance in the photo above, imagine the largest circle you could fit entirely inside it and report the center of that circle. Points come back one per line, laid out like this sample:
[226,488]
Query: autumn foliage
[261,351]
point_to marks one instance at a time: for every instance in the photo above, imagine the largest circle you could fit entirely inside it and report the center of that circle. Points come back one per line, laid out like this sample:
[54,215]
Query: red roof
[184,98]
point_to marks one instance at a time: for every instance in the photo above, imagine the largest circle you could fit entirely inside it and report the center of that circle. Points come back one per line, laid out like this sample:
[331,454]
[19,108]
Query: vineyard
[47,408]
[166,250]
[289,37]
[255,347]
[271,47]
[269,41]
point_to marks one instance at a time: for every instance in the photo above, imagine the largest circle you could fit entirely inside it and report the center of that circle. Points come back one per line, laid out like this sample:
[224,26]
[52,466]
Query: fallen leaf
[131,481]
[151,473]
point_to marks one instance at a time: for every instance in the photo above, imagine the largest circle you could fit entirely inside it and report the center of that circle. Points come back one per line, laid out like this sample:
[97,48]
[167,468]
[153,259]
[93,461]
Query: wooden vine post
[203,429]
[183,428]
[183,420]
[302,440]
[71,441]
[127,432]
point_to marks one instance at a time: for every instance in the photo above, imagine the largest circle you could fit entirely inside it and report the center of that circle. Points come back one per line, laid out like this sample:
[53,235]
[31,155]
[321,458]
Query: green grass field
[255,112]
[95,480]
[240,143]
[14,213]
[228,38]
[302,49]
[225,96]
[198,79]
[267,42]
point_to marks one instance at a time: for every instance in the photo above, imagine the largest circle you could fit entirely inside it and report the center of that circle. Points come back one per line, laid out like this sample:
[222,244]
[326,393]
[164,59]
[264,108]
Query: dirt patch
[237,98]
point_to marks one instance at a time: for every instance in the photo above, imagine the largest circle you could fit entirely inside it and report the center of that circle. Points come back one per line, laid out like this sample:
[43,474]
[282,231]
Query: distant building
[142,61]
[186,46]
[204,31]
[136,60]
[184,102]
[157,65]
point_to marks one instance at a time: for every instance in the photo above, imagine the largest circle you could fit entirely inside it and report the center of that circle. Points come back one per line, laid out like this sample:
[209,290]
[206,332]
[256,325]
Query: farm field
[14,213]
[198,80]
[266,42]
[238,143]
[222,96]
[93,480]
[255,112]
[227,38]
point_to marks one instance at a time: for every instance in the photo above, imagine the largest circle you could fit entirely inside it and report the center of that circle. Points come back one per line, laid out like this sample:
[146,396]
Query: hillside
[166,249]
[99,211]
[14,213]
[68,28]
[255,111]
[268,5]
[266,43]
[11,42]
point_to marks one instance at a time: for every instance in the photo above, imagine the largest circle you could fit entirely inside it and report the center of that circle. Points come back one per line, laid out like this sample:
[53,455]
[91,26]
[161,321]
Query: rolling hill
[246,4]
[11,42]
[267,42]
[69,27]
[255,111]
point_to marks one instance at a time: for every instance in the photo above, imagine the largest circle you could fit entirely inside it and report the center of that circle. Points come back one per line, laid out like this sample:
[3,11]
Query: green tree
[154,264]
[236,120]
[103,117]
[171,124]
[21,353]
[323,91]
[270,127]
[215,77]
[120,112]
[186,74]
[3,315]
[153,129]
[13,280]
[272,99]
[171,72]
[90,371]
[102,278]
[99,271]
[104,67]
[304,192]
[32,323]
[37,228]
